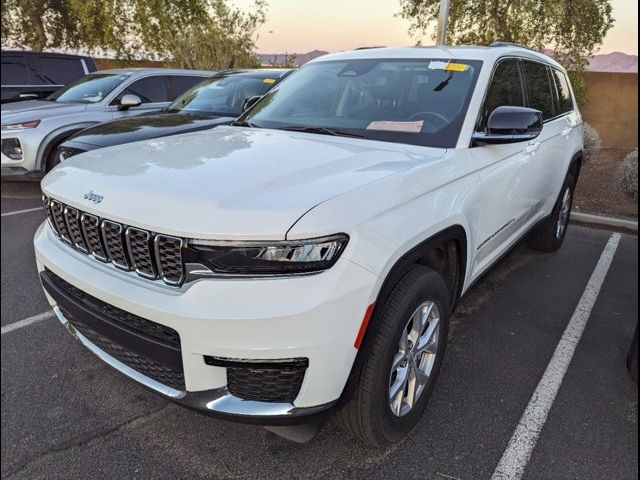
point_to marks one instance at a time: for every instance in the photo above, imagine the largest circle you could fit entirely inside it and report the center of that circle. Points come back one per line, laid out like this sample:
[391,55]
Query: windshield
[416,101]
[222,95]
[88,89]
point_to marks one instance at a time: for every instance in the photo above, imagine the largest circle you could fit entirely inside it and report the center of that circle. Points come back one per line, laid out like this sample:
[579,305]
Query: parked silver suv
[32,130]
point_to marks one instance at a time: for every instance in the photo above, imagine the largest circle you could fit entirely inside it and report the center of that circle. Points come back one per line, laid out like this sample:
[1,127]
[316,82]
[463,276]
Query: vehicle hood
[143,127]
[226,183]
[16,112]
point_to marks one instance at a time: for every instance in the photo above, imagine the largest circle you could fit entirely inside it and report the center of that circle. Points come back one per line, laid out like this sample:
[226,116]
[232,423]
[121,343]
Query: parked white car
[32,129]
[308,259]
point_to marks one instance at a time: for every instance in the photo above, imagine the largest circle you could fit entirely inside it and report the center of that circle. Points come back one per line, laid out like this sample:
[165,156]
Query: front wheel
[549,235]
[402,365]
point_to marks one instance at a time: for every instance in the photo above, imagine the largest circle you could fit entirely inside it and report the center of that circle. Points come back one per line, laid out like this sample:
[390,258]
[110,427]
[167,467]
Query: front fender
[55,137]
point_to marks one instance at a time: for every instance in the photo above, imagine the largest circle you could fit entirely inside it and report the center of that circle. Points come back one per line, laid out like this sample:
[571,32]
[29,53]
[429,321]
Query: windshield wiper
[322,131]
[244,123]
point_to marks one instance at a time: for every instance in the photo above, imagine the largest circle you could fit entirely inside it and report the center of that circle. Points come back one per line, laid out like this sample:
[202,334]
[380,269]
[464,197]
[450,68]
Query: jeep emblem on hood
[94,197]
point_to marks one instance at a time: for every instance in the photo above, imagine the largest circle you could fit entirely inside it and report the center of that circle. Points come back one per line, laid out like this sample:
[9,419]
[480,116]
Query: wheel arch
[575,165]
[424,253]
[54,138]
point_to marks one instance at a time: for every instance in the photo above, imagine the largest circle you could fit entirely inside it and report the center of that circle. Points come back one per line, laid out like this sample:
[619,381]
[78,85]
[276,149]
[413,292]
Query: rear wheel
[398,376]
[549,236]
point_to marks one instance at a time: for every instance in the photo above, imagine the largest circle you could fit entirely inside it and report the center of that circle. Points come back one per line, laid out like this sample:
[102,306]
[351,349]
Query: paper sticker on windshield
[388,126]
[448,66]
[269,80]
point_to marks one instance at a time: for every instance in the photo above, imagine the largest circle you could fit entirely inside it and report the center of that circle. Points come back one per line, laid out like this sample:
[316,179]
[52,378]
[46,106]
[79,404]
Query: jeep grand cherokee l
[308,258]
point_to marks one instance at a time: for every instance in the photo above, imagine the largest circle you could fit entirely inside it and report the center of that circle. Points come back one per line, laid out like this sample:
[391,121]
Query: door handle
[28,95]
[531,148]
[566,131]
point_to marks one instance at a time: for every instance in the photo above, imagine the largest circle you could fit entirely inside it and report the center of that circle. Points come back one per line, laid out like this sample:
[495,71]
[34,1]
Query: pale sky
[299,26]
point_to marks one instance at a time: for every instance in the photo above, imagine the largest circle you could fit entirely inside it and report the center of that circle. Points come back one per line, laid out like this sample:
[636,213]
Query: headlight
[64,153]
[270,258]
[21,126]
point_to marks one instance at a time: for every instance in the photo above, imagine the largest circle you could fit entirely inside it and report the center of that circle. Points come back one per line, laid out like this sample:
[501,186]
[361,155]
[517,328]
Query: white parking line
[17,212]
[518,452]
[26,322]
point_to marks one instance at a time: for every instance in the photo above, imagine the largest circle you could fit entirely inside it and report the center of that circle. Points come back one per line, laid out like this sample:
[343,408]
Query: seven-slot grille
[150,255]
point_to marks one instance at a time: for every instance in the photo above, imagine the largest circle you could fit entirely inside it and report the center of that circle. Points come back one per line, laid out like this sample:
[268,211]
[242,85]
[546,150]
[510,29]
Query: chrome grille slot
[72,217]
[151,255]
[139,251]
[46,203]
[91,228]
[113,241]
[57,214]
[168,251]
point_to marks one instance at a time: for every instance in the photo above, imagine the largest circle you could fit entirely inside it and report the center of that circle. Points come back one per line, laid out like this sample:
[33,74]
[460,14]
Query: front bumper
[315,317]
[30,140]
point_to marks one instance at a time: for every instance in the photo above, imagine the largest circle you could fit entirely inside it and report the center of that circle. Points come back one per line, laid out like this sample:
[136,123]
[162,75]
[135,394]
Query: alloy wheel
[413,362]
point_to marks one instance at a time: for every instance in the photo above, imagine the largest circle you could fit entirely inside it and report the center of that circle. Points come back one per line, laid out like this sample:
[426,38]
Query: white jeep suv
[308,258]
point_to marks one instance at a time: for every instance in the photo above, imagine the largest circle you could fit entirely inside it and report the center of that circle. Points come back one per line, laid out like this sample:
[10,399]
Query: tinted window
[505,90]
[222,95]
[182,84]
[56,71]
[149,89]
[88,89]
[415,101]
[565,102]
[14,70]
[539,88]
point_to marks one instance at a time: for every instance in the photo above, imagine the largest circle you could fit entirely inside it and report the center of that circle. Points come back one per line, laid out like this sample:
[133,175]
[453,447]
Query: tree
[135,28]
[227,40]
[569,30]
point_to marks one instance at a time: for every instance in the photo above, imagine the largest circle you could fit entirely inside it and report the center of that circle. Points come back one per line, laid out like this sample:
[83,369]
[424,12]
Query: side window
[505,90]
[182,84]
[539,88]
[54,70]
[149,89]
[14,70]
[565,102]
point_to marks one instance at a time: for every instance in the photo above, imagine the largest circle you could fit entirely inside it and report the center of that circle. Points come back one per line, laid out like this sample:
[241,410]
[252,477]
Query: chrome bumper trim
[217,401]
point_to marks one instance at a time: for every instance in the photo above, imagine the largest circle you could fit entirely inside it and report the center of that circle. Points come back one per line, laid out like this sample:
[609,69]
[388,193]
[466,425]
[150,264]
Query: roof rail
[499,43]
[367,48]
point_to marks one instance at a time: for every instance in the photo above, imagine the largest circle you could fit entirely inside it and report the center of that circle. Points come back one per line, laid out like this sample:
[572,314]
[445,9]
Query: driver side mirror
[250,102]
[511,125]
[129,100]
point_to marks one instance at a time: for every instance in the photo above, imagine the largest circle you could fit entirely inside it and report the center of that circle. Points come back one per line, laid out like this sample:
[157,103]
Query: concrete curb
[606,221]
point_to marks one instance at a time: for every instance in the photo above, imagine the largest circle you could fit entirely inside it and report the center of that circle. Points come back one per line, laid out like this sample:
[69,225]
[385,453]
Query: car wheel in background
[399,373]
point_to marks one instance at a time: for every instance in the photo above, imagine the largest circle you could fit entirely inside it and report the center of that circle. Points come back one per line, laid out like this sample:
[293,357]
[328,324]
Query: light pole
[443,18]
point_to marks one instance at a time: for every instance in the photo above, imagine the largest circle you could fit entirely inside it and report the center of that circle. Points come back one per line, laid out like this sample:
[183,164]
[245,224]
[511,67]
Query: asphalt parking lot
[67,415]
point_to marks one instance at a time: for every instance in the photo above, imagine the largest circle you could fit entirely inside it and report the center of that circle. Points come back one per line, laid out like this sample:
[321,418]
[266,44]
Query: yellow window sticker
[269,80]
[448,66]
[456,67]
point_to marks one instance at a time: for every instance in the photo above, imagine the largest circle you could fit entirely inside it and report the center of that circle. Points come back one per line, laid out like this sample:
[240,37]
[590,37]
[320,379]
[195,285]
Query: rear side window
[505,90]
[54,70]
[182,84]
[149,89]
[14,70]
[539,88]
[565,102]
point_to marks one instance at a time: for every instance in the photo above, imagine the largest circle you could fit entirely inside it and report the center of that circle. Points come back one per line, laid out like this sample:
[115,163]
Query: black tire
[53,159]
[367,414]
[546,237]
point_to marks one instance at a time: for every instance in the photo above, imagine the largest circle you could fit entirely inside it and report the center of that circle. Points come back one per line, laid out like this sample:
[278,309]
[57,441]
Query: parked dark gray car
[32,130]
[218,100]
